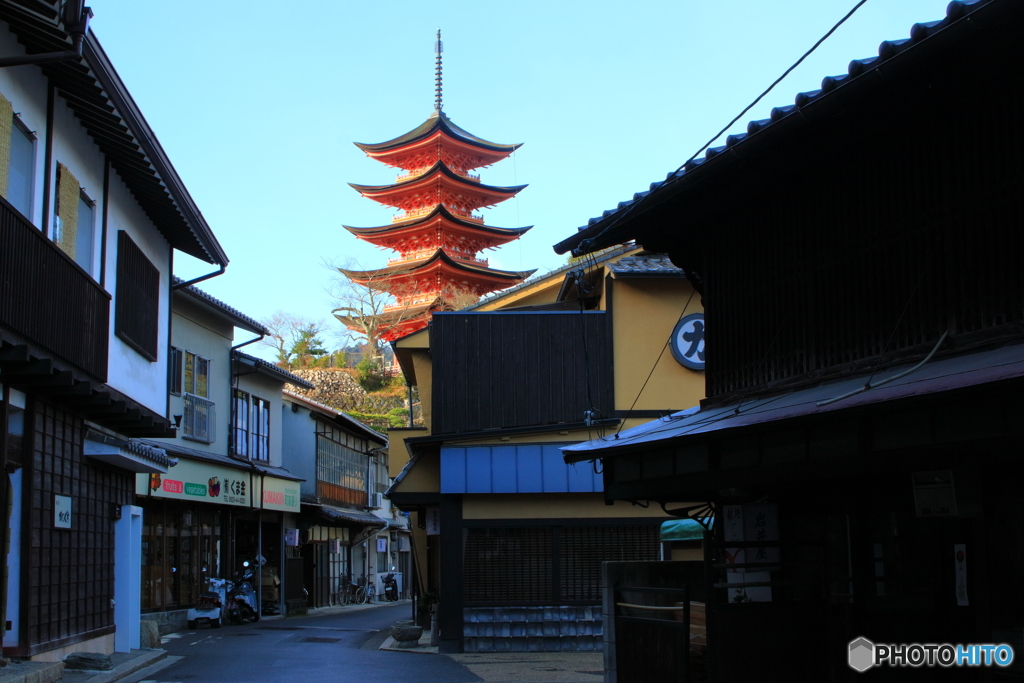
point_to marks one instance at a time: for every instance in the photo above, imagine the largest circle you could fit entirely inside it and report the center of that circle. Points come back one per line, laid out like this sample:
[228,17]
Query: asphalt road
[340,647]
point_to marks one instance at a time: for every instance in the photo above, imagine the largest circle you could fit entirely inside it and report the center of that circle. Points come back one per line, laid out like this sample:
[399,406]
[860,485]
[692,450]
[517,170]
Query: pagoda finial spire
[438,49]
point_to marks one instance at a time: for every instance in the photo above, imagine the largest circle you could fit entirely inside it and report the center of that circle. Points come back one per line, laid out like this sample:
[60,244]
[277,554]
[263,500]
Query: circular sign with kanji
[687,342]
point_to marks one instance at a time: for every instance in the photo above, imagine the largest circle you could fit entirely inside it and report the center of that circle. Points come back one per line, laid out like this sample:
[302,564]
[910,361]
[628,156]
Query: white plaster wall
[269,389]
[25,88]
[129,372]
[73,147]
[203,333]
[298,445]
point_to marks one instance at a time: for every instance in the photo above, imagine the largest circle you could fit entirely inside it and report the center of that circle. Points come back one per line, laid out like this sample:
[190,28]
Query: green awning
[682,530]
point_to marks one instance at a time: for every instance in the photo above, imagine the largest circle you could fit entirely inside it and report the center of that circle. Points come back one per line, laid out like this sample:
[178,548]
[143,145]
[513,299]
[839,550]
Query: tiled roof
[956,11]
[646,266]
[601,258]
[337,414]
[240,319]
[269,368]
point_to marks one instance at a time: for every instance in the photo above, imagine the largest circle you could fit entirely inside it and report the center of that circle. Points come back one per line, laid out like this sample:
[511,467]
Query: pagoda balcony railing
[420,254]
[409,175]
[406,303]
[416,213]
[48,299]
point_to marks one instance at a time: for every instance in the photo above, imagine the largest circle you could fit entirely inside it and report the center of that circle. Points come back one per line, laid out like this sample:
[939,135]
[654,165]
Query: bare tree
[294,339]
[367,310]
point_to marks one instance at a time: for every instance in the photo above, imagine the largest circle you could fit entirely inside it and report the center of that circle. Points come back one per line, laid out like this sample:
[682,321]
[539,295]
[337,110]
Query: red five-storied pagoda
[437,236]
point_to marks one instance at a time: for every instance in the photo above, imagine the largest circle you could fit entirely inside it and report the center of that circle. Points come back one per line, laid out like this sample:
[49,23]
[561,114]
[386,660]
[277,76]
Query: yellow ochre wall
[551,506]
[644,313]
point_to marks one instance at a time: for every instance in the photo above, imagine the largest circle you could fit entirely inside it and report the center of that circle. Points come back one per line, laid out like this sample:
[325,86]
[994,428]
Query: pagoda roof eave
[438,258]
[386,315]
[437,121]
[439,212]
[429,176]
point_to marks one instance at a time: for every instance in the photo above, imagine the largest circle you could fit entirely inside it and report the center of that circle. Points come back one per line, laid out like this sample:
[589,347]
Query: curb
[142,660]
[423,649]
[32,672]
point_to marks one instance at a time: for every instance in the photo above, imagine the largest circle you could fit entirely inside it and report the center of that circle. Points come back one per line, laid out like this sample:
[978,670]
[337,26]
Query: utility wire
[774,83]
[654,367]
[625,212]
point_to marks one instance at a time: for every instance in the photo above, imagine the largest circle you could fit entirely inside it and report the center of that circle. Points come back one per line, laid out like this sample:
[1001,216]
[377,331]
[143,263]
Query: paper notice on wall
[732,530]
[960,557]
[433,521]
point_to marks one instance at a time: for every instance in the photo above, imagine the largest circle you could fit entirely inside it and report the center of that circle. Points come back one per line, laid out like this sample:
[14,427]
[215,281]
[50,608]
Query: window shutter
[65,219]
[6,130]
[138,298]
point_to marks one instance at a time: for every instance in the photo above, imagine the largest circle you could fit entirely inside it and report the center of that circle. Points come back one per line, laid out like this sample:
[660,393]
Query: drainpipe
[76,21]
[219,271]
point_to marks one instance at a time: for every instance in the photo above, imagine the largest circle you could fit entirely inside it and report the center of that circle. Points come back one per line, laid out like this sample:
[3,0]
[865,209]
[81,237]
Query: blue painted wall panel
[531,477]
[503,468]
[527,468]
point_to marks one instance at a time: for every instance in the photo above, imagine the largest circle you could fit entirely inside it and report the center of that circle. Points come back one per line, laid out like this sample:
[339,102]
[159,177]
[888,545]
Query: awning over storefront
[682,530]
[128,454]
[335,515]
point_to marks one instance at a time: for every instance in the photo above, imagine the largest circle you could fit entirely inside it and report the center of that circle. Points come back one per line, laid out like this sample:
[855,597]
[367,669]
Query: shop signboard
[280,494]
[198,482]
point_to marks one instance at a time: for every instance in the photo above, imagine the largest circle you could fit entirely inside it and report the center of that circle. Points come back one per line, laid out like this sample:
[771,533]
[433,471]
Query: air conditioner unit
[376,500]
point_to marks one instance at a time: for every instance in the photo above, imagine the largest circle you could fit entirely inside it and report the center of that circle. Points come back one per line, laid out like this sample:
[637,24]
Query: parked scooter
[241,601]
[390,587]
[209,606]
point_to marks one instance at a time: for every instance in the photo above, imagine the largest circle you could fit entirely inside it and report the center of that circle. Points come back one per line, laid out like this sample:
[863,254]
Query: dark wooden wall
[68,574]
[497,370]
[74,319]
[859,237]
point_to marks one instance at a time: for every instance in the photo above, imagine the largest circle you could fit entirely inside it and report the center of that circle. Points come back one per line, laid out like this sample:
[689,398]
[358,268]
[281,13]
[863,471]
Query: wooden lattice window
[509,566]
[138,298]
[555,565]
[584,548]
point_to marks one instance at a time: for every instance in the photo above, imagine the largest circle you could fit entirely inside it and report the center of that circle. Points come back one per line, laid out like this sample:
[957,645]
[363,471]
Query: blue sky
[257,105]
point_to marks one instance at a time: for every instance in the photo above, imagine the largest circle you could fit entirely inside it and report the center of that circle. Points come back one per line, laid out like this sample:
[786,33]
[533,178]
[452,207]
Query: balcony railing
[48,299]
[420,254]
[200,422]
[416,213]
[420,171]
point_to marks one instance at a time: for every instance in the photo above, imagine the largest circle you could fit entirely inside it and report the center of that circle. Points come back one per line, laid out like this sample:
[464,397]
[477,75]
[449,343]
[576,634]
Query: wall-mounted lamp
[177,423]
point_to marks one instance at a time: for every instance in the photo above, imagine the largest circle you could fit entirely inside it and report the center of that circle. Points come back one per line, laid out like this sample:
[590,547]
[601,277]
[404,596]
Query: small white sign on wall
[61,512]
[382,545]
[433,520]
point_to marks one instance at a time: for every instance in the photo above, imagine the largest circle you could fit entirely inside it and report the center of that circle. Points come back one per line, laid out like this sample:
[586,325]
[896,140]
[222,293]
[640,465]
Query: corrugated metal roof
[946,374]
[590,235]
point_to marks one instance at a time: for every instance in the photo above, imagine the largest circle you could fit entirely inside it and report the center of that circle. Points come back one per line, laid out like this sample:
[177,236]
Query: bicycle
[348,593]
[360,595]
[371,593]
